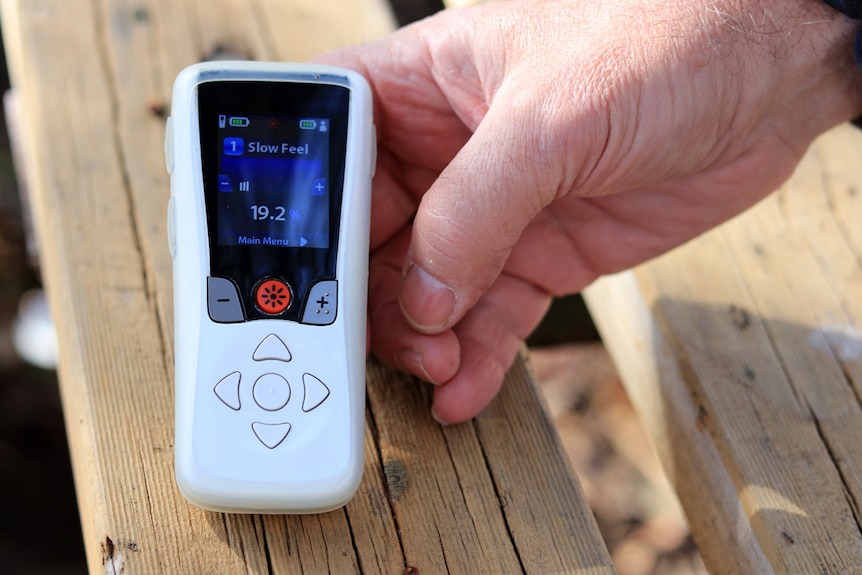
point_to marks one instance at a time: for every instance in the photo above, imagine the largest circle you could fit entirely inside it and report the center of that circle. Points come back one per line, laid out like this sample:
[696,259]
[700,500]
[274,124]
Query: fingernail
[411,360]
[439,419]
[426,302]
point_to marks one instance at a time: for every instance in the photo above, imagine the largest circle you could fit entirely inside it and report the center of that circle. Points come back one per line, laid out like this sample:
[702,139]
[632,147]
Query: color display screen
[273,181]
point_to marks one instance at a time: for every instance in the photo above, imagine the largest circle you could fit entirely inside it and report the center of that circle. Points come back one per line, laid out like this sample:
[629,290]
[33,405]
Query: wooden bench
[493,496]
[742,352]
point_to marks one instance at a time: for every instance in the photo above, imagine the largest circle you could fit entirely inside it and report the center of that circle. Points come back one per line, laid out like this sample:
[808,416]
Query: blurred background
[40,532]
[39,529]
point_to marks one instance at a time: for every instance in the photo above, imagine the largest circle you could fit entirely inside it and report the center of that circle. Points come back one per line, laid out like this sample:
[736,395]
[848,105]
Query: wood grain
[742,351]
[492,496]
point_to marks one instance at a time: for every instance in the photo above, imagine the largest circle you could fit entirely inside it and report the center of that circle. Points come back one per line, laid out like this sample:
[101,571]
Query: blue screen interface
[273,187]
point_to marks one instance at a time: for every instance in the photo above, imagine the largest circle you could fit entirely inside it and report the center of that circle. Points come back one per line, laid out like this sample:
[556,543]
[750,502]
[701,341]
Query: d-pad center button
[271,392]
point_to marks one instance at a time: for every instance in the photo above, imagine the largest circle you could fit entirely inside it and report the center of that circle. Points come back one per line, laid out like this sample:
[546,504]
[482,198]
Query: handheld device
[268,225]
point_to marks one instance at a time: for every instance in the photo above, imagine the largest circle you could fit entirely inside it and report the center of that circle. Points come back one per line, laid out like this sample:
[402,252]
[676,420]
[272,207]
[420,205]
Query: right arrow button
[316,392]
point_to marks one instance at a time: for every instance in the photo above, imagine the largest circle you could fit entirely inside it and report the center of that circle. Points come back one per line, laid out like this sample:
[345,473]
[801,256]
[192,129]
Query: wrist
[852,9]
[812,48]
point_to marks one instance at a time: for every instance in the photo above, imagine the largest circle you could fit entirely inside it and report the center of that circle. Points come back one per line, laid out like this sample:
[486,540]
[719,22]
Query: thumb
[474,214]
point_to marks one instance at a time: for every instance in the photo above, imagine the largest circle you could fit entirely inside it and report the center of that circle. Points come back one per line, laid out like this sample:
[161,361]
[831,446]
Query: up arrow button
[272,348]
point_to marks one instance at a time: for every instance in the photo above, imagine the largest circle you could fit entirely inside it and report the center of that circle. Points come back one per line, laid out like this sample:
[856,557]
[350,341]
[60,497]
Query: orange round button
[272,296]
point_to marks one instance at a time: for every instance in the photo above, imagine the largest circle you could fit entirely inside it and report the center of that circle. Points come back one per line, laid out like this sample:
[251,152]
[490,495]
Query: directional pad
[270,434]
[263,394]
[272,348]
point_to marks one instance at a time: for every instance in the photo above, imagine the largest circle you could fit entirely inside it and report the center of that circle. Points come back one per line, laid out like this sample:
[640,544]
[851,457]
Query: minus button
[223,302]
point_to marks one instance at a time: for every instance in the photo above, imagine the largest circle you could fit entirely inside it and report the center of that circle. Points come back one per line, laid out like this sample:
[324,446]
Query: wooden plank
[742,351]
[453,478]
[423,482]
[300,29]
[94,79]
[111,370]
[543,502]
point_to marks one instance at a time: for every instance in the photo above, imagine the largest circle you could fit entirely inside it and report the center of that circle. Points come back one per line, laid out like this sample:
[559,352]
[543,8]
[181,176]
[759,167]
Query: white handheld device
[271,168]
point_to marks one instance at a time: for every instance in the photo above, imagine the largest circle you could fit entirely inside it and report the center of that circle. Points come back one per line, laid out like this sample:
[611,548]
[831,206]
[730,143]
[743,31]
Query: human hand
[527,147]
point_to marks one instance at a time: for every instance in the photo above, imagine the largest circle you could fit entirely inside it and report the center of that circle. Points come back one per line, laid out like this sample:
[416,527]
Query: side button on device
[169,145]
[172,243]
[223,301]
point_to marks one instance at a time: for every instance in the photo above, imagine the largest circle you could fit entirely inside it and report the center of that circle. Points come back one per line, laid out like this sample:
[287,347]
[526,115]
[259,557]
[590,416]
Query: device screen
[273,181]
[273,157]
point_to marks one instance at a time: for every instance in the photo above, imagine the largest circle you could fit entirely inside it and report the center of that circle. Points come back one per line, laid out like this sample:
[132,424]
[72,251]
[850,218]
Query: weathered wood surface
[743,353]
[493,496]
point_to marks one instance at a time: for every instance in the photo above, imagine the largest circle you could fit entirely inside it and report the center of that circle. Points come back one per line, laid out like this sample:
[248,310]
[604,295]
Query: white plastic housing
[221,464]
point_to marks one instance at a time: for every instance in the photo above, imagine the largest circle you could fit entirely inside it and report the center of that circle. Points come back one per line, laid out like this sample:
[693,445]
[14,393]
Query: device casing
[220,465]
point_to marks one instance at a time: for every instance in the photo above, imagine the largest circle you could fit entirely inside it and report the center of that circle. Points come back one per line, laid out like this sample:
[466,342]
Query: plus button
[322,303]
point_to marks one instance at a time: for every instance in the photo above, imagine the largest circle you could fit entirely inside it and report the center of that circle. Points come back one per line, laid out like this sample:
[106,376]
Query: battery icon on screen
[238,122]
[307,124]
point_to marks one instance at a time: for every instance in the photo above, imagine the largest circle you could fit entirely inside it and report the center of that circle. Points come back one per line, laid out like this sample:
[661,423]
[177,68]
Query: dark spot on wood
[226,52]
[702,416]
[788,537]
[157,108]
[396,478]
[108,550]
[582,404]
[740,318]
[750,374]
[504,498]
[141,14]
[132,546]
[410,570]
[852,191]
